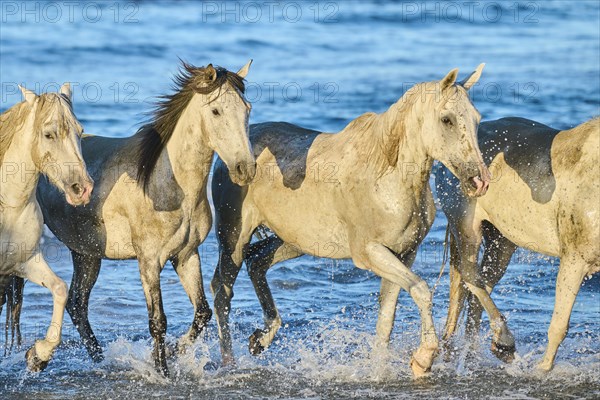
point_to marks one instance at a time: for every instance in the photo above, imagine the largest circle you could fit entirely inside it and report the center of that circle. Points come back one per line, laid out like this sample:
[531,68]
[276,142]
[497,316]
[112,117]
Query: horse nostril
[240,169]
[76,187]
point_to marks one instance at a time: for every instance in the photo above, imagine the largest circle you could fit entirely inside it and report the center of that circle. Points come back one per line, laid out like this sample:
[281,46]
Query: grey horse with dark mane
[150,201]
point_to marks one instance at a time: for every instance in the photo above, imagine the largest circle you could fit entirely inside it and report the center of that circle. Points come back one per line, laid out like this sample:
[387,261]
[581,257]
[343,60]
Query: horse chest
[19,236]
[405,220]
[185,232]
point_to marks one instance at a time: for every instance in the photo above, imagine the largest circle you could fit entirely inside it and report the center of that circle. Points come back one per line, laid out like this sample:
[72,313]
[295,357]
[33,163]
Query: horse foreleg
[388,299]
[260,257]
[37,271]
[157,320]
[85,274]
[190,275]
[384,263]
[571,272]
[503,342]
[222,288]
[497,255]
[458,293]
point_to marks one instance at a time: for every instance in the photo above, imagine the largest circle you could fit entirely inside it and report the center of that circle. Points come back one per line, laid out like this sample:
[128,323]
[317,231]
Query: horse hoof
[211,366]
[34,363]
[418,370]
[503,352]
[97,357]
[544,367]
[164,371]
[254,345]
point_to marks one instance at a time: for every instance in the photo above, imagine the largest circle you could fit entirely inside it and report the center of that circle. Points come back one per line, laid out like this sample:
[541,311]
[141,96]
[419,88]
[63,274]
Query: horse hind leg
[37,271]
[571,272]
[260,257]
[85,274]
[190,274]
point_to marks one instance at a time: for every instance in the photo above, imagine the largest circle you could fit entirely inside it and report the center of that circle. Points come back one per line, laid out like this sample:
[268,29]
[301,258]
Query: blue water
[318,64]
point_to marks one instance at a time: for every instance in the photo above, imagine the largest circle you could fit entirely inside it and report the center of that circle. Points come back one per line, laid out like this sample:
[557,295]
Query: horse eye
[48,135]
[446,121]
[215,111]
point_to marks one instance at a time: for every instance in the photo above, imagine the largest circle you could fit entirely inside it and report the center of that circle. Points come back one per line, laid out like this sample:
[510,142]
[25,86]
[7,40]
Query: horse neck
[18,171]
[188,155]
[414,162]
[399,124]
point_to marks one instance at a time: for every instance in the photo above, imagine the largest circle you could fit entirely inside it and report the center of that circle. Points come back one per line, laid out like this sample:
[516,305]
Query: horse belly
[307,222]
[118,244]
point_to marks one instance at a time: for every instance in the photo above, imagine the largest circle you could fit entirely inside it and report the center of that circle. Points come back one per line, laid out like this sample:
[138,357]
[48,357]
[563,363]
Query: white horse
[545,196]
[165,215]
[375,208]
[40,135]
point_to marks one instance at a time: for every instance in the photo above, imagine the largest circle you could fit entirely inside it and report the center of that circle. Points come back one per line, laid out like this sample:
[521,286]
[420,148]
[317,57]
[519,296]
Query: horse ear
[65,90]
[243,72]
[210,73]
[472,79]
[28,94]
[449,79]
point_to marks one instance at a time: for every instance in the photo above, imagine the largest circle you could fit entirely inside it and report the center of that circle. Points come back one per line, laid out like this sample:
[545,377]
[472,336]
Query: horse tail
[13,297]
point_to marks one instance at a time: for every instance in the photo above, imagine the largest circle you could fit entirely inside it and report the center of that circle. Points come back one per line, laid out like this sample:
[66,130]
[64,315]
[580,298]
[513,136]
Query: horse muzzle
[476,185]
[243,173]
[79,193]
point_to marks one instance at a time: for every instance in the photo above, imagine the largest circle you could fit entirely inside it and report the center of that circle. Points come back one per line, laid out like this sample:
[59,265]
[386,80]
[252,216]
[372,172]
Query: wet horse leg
[17,285]
[157,320]
[571,272]
[458,293]
[503,342]
[37,271]
[190,274]
[497,254]
[384,263]
[260,257]
[388,300]
[85,274]
[222,288]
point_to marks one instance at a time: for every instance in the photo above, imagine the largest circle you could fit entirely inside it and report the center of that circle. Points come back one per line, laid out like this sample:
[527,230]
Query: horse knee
[421,294]
[59,291]
[222,300]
